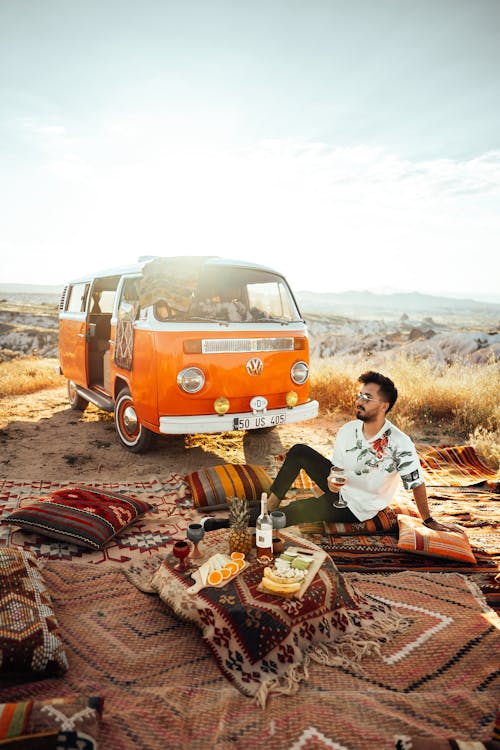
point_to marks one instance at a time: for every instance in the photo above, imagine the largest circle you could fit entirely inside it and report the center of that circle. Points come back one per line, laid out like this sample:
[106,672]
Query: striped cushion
[386,520]
[415,537]
[85,517]
[51,723]
[215,486]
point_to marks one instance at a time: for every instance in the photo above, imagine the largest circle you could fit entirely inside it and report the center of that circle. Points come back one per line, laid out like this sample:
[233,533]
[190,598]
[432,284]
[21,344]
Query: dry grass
[27,375]
[458,400]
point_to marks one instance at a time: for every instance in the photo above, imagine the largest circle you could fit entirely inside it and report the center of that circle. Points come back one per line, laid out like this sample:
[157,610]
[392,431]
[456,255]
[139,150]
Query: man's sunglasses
[366,397]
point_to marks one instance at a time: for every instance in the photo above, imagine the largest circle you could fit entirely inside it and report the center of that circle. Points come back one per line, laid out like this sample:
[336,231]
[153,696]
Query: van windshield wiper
[282,321]
[196,319]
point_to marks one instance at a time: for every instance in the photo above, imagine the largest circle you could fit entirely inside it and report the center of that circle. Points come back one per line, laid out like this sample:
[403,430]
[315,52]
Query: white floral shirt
[373,467]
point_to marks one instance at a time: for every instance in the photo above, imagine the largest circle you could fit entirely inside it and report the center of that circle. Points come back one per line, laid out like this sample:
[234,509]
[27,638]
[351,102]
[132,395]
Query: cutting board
[317,557]
[198,582]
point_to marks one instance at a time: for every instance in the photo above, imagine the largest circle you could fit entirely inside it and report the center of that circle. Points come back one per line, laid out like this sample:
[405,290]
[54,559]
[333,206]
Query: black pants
[310,509]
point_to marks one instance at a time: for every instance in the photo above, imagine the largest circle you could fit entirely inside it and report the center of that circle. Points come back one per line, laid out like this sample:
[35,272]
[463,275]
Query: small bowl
[278,545]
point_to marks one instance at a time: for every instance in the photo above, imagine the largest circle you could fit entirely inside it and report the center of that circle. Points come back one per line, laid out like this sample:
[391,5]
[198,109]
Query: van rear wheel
[132,434]
[77,402]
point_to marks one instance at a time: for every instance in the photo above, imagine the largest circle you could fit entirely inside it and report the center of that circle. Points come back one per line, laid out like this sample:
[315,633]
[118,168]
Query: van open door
[73,333]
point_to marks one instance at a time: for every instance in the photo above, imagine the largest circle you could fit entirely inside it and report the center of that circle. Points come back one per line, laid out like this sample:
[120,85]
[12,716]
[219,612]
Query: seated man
[372,452]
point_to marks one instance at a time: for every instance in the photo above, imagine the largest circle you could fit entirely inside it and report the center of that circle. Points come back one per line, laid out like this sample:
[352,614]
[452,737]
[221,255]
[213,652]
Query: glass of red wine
[181,550]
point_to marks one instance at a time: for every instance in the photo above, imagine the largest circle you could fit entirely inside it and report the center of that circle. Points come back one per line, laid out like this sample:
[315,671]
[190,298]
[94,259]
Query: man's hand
[444,527]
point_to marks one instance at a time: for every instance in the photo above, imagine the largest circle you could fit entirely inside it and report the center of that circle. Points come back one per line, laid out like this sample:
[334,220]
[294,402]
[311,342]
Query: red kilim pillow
[85,517]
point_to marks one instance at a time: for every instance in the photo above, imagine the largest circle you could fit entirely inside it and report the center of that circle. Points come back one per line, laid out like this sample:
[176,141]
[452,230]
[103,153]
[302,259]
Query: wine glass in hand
[195,533]
[181,551]
[336,480]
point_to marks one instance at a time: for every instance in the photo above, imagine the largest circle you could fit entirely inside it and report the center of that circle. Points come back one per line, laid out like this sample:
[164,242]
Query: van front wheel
[77,402]
[132,434]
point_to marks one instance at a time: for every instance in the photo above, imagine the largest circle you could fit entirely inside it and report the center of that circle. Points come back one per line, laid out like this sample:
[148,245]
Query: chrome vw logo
[255,366]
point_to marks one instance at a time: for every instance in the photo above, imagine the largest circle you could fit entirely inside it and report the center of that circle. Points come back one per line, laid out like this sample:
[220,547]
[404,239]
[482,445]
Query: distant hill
[29,288]
[31,293]
[369,304]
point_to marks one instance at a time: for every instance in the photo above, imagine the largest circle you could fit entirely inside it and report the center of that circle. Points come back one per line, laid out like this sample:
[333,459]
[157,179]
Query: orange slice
[240,564]
[233,567]
[237,555]
[215,577]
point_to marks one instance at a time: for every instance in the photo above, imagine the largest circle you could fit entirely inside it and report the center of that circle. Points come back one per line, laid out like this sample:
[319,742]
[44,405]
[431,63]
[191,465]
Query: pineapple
[240,536]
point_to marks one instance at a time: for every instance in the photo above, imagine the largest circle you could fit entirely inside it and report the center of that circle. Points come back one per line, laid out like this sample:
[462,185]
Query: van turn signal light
[291,399]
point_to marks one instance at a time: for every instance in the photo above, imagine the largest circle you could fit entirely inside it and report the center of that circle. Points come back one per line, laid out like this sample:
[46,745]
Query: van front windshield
[242,296]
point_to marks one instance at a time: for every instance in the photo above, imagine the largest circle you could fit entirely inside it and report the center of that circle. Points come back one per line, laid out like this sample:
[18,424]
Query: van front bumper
[241,421]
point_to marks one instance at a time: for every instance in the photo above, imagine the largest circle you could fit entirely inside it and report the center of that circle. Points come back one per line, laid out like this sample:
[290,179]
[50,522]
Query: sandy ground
[42,438]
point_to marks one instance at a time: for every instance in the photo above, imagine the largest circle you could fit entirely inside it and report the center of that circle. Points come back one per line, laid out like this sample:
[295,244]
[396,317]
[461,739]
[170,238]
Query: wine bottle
[264,532]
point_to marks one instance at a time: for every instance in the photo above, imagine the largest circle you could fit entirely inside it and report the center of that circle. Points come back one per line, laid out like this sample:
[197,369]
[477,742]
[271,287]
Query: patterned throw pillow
[29,634]
[415,537]
[215,486]
[385,521]
[62,723]
[85,517]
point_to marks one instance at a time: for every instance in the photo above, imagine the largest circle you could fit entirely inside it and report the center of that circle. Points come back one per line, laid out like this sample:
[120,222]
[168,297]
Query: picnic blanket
[162,687]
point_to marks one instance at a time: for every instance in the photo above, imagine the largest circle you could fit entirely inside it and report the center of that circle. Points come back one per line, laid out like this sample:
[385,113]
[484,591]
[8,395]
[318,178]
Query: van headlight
[191,379]
[299,372]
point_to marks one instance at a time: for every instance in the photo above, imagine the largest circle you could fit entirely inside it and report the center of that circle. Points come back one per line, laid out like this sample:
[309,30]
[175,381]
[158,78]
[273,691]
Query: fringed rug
[162,688]
[154,533]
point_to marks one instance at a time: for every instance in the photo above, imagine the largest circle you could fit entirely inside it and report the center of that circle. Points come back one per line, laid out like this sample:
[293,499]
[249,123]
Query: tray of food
[292,572]
[217,571]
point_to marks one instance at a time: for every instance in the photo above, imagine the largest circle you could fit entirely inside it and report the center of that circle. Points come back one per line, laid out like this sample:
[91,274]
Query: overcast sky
[352,144]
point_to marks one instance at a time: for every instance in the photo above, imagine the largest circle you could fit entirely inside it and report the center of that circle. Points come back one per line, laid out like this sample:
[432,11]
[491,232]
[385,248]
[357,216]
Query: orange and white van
[185,345]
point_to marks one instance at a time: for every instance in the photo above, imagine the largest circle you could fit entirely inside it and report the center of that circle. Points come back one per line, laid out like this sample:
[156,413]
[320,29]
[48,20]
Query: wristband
[428,520]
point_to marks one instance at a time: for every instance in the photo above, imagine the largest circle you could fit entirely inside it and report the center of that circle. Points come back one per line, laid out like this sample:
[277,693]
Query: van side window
[77,297]
[129,300]
[104,301]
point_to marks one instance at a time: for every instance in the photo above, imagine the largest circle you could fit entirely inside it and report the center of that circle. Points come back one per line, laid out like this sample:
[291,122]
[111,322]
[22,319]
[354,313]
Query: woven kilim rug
[162,688]
[148,536]
[457,465]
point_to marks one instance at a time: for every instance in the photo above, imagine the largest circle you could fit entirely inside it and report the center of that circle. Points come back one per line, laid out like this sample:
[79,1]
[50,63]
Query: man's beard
[361,415]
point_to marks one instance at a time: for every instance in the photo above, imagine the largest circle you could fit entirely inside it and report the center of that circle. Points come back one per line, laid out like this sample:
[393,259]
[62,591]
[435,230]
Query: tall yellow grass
[459,400]
[28,375]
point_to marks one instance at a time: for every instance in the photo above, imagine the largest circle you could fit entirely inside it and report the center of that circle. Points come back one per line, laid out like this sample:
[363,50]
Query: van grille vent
[225,346]
[63,297]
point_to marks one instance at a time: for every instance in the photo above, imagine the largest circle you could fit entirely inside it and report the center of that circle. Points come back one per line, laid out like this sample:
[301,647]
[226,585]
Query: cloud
[333,218]
[35,127]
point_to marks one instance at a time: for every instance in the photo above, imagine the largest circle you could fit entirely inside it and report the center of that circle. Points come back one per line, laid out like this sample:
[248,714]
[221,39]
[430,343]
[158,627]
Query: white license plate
[258,420]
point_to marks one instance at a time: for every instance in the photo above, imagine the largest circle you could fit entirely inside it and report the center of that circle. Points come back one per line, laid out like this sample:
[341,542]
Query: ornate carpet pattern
[162,688]
[153,533]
